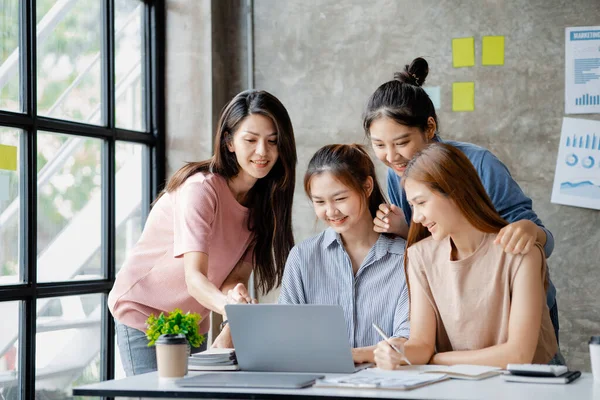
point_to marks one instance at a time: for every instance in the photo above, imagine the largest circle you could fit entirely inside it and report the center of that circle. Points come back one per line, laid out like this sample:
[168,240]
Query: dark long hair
[270,199]
[351,165]
[402,99]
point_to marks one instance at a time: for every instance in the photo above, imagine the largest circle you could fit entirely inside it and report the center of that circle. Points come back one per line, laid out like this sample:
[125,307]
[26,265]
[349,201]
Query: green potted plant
[172,323]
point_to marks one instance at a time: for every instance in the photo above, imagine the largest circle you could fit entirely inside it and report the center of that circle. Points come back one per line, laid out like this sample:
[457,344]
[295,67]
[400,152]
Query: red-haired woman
[470,301]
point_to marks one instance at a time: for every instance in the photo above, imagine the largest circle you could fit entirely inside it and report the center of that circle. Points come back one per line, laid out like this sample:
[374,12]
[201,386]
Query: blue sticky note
[434,94]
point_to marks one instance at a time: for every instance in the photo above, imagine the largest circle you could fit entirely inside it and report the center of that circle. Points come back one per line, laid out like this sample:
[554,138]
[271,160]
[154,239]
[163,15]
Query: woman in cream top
[470,302]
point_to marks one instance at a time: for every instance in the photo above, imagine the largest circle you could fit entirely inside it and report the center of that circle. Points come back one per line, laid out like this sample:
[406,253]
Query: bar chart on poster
[582,70]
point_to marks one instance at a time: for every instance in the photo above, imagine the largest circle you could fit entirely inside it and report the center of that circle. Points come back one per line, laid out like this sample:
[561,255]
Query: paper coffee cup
[172,355]
[595,357]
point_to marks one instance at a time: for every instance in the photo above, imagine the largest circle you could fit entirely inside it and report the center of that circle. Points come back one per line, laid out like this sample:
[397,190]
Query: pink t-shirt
[201,215]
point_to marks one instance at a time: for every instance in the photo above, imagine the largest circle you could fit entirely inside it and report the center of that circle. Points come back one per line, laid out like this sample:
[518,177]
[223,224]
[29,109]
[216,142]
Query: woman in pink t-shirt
[216,222]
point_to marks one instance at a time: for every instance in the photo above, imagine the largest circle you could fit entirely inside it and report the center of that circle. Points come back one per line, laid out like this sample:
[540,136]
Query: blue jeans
[136,357]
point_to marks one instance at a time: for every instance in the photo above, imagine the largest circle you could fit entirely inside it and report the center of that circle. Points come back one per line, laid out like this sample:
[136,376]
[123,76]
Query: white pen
[389,210]
[387,339]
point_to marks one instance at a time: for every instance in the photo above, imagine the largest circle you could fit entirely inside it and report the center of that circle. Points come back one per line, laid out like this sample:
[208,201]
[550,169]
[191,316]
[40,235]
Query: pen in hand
[387,339]
[385,215]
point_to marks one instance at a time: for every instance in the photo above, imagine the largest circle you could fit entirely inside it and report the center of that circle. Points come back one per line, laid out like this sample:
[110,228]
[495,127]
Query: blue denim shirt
[506,195]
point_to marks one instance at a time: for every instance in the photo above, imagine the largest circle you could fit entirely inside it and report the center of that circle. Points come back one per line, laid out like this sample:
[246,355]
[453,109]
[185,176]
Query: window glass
[129,77]
[128,193]
[10,206]
[69,60]
[69,227]
[9,55]
[67,348]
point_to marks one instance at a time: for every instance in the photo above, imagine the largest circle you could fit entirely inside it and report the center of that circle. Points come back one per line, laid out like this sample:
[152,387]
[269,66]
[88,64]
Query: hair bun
[413,74]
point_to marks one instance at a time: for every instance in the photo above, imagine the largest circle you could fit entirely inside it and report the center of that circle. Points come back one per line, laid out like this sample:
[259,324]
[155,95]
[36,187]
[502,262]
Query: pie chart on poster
[587,162]
[571,160]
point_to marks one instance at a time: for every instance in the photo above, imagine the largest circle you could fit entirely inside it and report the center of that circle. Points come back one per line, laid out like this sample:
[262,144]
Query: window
[81,156]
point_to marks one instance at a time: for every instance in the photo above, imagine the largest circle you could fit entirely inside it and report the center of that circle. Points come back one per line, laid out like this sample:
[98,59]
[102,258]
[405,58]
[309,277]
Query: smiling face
[336,204]
[396,144]
[255,146]
[437,213]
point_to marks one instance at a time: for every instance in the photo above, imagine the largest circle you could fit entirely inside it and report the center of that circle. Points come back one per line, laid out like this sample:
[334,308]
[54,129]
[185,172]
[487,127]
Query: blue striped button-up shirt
[319,271]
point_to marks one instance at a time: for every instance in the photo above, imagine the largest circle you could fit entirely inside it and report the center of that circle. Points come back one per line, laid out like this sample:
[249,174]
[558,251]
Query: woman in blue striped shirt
[349,264]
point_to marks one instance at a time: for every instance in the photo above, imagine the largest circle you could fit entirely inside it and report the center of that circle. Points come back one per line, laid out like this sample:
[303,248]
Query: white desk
[148,385]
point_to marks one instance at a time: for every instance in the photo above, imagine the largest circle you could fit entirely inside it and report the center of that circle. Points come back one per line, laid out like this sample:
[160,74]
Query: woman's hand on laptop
[388,358]
[239,295]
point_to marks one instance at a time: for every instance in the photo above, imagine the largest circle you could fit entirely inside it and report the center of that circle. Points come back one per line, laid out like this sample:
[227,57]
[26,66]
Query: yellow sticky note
[463,52]
[492,52]
[463,96]
[8,157]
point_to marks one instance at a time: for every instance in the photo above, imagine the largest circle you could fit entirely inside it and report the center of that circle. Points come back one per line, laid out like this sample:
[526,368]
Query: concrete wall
[206,65]
[324,58]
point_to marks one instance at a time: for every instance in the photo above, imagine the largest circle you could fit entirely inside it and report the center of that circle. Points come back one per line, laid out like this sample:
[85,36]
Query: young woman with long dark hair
[216,222]
[399,121]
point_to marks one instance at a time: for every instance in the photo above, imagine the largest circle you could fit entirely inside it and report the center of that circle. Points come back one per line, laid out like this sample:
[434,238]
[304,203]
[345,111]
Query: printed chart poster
[577,176]
[582,70]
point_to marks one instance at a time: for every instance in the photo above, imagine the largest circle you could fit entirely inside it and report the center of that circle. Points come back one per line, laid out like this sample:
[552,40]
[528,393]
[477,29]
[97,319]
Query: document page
[381,379]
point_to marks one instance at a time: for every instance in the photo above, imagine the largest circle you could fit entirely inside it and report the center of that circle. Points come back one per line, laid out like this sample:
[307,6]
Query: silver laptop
[291,338]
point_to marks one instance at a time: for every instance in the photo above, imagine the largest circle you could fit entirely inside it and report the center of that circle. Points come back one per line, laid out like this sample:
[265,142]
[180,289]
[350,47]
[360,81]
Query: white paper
[4,185]
[434,95]
[377,378]
[577,175]
[582,70]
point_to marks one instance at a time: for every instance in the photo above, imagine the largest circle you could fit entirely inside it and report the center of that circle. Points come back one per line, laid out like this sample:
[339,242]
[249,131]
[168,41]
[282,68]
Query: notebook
[250,380]
[459,371]
[379,379]
[565,378]
[213,360]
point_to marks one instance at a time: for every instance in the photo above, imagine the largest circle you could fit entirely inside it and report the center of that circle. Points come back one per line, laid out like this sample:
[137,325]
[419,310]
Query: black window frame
[153,137]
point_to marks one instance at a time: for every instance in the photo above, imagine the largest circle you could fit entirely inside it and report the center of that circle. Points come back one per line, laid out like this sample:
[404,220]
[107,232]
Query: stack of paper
[213,360]
[408,377]
[380,379]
